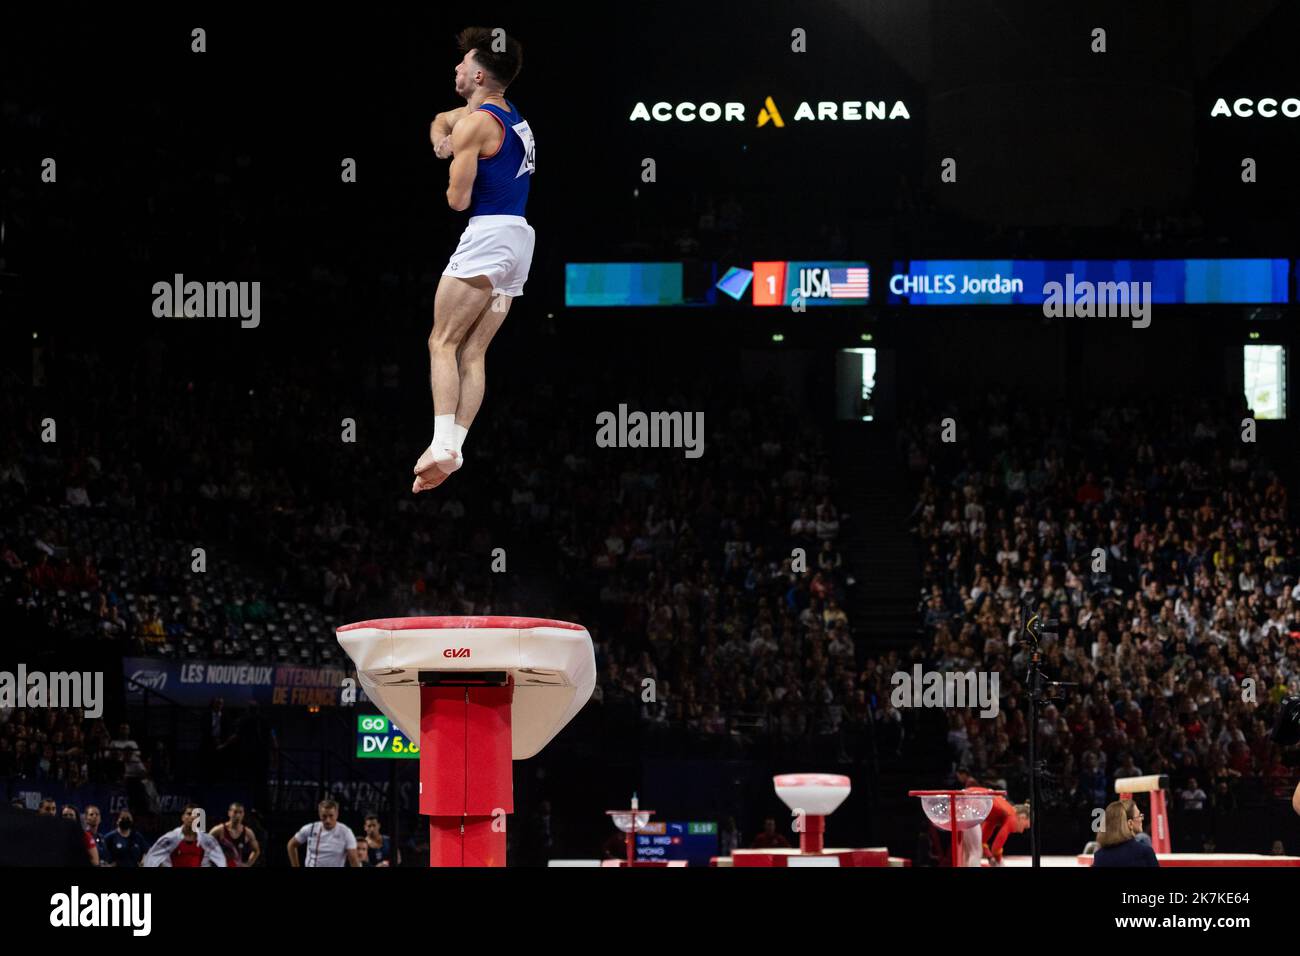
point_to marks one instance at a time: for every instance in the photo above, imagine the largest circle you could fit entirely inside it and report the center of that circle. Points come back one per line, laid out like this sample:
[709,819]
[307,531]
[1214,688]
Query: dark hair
[503,66]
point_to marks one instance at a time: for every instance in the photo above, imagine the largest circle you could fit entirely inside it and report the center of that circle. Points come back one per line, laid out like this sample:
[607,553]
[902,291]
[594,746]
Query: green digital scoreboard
[378,738]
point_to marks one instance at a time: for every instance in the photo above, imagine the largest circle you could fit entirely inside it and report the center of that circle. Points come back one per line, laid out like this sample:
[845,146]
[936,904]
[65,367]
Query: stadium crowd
[1163,545]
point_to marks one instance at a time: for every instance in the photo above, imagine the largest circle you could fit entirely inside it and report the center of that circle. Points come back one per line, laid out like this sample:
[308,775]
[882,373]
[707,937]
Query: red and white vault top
[551,663]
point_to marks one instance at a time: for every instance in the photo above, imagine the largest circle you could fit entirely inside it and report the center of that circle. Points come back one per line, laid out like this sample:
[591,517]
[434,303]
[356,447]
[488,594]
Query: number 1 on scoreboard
[769,283]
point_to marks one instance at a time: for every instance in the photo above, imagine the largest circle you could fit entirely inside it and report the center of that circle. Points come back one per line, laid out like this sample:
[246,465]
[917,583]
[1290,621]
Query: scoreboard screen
[695,842]
[931,282]
[811,283]
[798,284]
[378,737]
[695,283]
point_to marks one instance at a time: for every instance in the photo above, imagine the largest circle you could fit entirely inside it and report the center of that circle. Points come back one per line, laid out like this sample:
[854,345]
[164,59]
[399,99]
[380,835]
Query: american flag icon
[850,283]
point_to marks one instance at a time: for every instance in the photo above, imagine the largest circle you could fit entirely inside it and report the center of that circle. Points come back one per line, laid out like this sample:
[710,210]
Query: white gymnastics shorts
[499,247]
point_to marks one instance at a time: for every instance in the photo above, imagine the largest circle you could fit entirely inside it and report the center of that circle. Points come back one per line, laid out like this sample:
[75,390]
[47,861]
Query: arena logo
[1268,107]
[74,910]
[208,300]
[153,680]
[946,689]
[82,691]
[826,111]
[1105,300]
[653,430]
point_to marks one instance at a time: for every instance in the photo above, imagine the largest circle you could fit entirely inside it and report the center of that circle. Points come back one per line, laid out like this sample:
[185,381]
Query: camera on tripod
[1037,627]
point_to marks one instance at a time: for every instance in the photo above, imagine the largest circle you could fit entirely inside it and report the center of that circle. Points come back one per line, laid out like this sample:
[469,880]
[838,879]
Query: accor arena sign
[1267,107]
[821,111]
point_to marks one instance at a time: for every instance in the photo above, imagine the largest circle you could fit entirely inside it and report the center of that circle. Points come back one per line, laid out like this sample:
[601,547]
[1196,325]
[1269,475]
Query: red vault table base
[479,692]
[466,787]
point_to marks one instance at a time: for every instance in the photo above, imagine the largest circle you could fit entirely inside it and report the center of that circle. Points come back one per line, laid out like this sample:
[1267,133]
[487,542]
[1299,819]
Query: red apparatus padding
[466,785]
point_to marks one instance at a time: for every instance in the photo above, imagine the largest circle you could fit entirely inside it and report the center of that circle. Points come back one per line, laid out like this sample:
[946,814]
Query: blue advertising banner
[195,683]
[1025,281]
[111,799]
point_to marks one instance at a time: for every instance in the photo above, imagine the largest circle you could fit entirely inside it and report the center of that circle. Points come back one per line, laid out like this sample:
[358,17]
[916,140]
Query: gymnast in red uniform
[1003,820]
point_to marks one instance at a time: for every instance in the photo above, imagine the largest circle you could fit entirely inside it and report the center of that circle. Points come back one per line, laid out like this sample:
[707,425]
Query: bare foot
[425,461]
[431,479]
[427,473]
